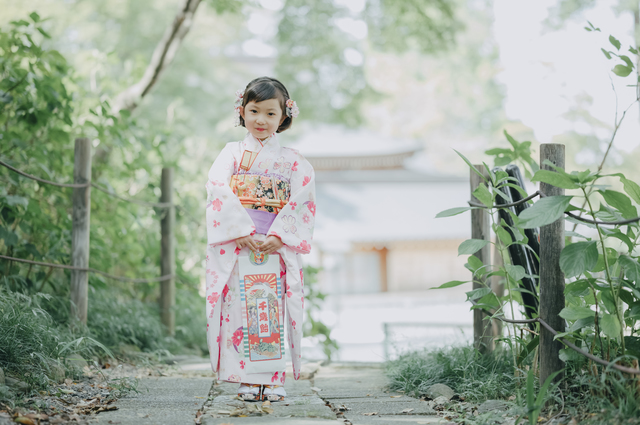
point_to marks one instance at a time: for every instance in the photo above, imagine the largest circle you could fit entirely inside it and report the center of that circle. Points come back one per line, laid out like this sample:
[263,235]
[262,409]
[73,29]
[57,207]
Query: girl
[260,200]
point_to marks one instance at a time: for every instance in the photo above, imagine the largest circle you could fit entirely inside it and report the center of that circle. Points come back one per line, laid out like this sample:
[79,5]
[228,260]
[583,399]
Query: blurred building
[376,229]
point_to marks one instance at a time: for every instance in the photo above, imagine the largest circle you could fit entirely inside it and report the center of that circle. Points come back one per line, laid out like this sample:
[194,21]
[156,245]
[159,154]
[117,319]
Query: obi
[262,196]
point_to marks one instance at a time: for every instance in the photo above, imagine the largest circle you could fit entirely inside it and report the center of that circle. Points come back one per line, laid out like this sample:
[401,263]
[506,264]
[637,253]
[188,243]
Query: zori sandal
[273,393]
[249,392]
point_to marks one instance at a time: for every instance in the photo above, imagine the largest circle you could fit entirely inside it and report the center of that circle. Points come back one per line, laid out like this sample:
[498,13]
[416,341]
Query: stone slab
[383,409]
[267,420]
[380,398]
[400,420]
[162,401]
[336,381]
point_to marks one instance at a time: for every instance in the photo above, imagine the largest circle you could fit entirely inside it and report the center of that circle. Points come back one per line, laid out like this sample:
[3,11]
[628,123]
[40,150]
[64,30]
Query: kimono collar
[255,145]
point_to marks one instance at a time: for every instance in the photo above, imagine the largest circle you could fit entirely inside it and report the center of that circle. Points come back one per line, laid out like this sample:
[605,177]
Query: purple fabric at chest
[262,220]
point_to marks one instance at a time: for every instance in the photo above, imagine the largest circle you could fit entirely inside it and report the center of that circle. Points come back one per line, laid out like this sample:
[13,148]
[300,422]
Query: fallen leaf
[266,403]
[224,412]
[316,389]
[24,420]
[370,414]
[269,410]
[511,398]
[40,416]
[408,410]
[396,396]
[199,397]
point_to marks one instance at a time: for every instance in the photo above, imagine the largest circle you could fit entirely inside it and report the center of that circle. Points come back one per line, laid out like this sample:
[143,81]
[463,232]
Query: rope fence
[81,199]
[38,179]
[90,270]
[108,192]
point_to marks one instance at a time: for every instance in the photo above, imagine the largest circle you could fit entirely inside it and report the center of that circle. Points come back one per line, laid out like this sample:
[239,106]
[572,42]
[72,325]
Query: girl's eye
[254,111]
[271,113]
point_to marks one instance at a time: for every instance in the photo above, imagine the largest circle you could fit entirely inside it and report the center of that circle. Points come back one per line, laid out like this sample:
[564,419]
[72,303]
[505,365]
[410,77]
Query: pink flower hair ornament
[292,108]
[238,105]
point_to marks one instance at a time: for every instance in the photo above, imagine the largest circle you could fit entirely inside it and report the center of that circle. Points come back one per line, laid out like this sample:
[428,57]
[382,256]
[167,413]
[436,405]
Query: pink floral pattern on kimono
[228,220]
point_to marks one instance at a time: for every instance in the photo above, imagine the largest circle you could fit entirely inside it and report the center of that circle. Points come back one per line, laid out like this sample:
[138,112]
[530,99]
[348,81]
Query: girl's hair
[265,88]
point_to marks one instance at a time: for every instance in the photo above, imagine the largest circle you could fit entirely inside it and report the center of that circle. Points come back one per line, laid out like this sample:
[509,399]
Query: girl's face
[262,119]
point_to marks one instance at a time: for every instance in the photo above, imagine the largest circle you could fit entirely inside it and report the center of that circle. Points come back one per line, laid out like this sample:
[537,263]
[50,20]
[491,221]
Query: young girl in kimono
[261,200]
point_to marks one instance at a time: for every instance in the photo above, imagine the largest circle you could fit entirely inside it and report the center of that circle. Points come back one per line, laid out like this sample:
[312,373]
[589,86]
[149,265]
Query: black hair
[265,88]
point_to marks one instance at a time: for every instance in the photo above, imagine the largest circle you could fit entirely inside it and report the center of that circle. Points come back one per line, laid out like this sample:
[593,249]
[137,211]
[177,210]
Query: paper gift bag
[262,312]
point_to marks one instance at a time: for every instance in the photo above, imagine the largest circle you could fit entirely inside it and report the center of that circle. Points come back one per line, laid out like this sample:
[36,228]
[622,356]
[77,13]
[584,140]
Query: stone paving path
[335,394]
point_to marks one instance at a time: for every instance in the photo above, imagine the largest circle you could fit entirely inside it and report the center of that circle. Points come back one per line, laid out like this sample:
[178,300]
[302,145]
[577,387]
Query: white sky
[545,70]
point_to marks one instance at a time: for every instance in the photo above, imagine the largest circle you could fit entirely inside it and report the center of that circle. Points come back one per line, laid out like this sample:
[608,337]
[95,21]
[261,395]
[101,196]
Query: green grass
[31,344]
[609,398]
[467,372]
[36,334]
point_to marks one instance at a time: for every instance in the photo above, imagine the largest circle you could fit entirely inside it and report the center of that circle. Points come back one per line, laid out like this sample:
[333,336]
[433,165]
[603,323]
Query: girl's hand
[247,241]
[271,245]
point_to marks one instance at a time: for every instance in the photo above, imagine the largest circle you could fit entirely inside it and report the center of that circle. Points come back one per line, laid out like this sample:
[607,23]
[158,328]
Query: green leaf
[574,312]
[453,211]
[627,61]
[516,272]
[511,140]
[544,211]
[631,268]
[622,70]
[612,258]
[556,179]
[34,17]
[44,33]
[13,200]
[475,170]
[621,202]
[503,235]
[631,188]
[451,284]
[579,257]
[483,195]
[567,354]
[606,53]
[471,246]
[616,233]
[578,288]
[615,42]
[498,151]
[477,293]
[610,325]
[10,238]
[474,264]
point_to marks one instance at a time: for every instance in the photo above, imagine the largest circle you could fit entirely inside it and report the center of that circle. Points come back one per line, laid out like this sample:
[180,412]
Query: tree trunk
[162,57]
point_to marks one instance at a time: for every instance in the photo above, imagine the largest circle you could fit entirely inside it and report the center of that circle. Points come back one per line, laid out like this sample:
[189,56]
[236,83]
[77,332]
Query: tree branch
[162,57]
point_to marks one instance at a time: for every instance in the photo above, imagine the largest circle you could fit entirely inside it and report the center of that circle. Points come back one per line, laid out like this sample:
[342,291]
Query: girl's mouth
[260,129]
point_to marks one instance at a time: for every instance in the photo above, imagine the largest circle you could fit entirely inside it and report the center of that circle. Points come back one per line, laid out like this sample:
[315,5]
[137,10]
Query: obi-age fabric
[227,219]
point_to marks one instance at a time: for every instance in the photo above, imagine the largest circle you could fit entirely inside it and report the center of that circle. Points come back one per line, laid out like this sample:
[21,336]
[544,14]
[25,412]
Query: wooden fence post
[497,285]
[167,253]
[481,229]
[551,277]
[81,216]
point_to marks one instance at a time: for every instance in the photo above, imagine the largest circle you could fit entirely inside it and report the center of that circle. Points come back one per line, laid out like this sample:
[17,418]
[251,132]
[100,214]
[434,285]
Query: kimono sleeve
[294,223]
[226,218]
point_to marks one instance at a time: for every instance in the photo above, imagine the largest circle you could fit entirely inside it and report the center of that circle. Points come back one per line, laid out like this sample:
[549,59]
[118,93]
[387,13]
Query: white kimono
[227,220]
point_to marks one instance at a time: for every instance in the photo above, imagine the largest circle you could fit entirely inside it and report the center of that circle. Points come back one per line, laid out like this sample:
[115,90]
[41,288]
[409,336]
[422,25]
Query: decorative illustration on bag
[261,294]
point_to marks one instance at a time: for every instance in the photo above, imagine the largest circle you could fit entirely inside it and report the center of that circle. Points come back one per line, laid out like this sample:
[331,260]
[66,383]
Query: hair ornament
[238,105]
[292,108]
